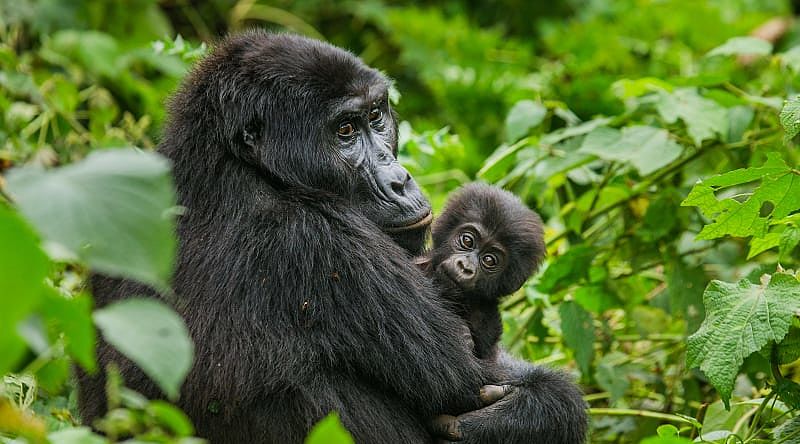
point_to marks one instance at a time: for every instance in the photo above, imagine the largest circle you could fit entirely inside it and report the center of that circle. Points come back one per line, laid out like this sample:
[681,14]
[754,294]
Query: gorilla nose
[394,181]
[465,268]
[399,185]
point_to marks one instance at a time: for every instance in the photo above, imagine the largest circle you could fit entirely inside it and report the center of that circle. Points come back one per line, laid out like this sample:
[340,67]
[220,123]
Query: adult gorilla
[284,153]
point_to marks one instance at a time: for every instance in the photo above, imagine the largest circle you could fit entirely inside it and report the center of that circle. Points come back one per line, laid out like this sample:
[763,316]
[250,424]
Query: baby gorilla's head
[486,242]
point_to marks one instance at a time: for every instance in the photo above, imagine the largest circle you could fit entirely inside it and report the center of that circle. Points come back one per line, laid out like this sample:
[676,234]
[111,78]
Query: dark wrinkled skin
[479,224]
[298,301]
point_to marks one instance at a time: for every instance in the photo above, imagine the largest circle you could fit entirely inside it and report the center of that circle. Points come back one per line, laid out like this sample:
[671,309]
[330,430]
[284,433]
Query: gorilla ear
[249,136]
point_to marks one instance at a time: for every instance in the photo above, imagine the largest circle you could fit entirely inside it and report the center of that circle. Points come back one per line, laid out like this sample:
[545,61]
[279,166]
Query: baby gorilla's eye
[489,260]
[466,240]
[346,129]
[375,114]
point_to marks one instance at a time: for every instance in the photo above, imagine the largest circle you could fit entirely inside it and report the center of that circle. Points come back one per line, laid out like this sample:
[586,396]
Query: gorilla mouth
[421,223]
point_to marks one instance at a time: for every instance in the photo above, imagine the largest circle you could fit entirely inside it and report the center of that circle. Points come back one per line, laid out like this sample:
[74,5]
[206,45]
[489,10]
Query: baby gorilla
[486,243]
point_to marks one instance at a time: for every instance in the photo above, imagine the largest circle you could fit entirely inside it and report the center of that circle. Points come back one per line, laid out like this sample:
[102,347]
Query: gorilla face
[311,116]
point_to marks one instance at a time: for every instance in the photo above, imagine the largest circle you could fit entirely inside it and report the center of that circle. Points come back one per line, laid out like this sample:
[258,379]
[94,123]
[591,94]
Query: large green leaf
[113,210]
[742,46]
[23,267]
[329,431]
[153,336]
[704,118]
[645,147]
[741,319]
[776,197]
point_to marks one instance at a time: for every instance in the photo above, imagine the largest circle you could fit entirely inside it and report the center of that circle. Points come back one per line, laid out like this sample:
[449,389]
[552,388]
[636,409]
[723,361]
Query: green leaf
[24,267]
[742,46]
[790,117]
[329,431]
[171,417]
[789,431]
[790,238]
[76,435]
[645,147]
[704,118]
[612,375]
[114,210]
[789,348]
[578,331]
[524,115]
[666,440]
[566,269]
[759,245]
[153,336]
[73,318]
[667,430]
[776,197]
[740,319]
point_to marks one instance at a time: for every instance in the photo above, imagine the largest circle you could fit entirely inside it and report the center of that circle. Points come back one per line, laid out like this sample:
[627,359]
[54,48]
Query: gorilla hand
[449,428]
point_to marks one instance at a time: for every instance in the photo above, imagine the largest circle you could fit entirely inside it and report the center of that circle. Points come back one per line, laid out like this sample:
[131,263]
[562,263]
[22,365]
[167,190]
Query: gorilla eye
[489,260]
[346,129]
[466,240]
[375,114]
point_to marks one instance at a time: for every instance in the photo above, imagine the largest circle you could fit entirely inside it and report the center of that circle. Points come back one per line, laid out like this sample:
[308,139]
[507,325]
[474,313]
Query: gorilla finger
[448,427]
[492,393]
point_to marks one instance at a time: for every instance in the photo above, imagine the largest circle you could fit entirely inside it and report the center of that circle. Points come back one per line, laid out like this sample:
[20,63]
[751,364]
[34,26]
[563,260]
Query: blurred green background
[527,95]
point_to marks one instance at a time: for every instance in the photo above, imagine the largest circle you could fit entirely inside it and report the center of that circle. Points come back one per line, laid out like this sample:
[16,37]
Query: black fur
[297,301]
[501,225]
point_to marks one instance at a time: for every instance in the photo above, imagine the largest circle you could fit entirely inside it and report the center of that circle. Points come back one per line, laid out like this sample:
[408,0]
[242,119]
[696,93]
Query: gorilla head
[304,115]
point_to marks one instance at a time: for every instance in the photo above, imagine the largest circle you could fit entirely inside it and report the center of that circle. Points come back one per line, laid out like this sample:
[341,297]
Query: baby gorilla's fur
[486,243]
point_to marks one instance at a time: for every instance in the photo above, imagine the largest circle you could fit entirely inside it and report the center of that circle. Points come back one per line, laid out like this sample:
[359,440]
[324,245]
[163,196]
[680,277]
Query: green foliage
[741,319]
[129,191]
[657,138]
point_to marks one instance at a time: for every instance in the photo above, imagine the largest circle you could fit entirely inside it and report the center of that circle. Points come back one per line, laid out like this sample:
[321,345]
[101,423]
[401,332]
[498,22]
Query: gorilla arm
[533,405]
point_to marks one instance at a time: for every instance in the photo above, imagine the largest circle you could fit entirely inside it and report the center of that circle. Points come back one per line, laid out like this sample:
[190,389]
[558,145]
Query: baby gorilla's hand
[448,428]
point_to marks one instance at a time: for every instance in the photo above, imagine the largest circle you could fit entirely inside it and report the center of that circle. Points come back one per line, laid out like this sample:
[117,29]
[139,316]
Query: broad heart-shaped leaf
[112,210]
[578,331]
[740,319]
[523,116]
[23,267]
[790,117]
[704,118]
[329,431]
[645,147]
[742,46]
[776,197]
[153,336]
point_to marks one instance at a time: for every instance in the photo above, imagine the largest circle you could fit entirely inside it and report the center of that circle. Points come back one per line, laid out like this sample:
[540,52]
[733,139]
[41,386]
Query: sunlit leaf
[777,196]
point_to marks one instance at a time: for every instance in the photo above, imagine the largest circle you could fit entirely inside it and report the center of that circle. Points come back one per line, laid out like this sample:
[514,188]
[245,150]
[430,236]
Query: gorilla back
[298,301]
